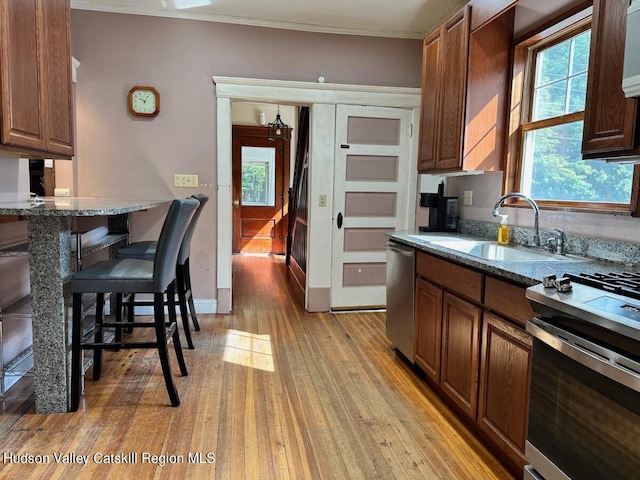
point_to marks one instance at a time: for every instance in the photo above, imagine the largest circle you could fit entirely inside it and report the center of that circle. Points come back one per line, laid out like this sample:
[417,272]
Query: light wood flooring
[273,392]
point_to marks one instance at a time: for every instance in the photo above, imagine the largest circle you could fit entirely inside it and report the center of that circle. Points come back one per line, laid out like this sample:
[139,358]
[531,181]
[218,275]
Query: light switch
[185,180]
[322,200]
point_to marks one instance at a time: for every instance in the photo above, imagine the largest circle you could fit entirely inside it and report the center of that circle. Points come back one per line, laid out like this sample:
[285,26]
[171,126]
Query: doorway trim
[322,98]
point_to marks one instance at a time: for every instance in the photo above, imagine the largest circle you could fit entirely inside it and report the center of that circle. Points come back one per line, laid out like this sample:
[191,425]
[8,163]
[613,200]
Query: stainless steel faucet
[558,242]
[536,213]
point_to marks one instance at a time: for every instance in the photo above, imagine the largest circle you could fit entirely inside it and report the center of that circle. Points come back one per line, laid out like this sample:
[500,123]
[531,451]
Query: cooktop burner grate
[626,283]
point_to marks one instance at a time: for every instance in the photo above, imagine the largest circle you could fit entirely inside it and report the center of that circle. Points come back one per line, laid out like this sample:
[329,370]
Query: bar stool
[122,275]
[146,250]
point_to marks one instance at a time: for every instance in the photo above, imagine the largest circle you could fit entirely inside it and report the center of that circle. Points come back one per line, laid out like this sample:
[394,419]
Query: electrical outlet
[61,192]
[185,180]
[468,197]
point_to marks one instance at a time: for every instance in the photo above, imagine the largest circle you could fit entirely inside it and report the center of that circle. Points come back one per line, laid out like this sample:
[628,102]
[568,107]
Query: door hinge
[411,130]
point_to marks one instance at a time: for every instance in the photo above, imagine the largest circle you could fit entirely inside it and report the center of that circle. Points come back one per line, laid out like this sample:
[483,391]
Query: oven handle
[595,357]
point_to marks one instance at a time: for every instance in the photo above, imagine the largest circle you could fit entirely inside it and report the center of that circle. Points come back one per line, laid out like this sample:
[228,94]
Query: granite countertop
[76,206]
[527,272]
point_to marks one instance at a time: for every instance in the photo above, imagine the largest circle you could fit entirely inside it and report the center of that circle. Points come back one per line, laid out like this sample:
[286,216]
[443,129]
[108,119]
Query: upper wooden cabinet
[465,87]
[35,66]
[486,10]
[610,119]
[444,81]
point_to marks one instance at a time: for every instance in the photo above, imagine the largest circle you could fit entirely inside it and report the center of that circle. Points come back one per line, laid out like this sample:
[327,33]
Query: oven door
[584,408]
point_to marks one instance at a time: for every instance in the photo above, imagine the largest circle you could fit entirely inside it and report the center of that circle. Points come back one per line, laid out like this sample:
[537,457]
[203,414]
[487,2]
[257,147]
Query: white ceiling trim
[306,27]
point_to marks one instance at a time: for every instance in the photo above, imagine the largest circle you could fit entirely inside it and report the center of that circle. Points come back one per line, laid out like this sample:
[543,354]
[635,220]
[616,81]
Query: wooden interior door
[259,166]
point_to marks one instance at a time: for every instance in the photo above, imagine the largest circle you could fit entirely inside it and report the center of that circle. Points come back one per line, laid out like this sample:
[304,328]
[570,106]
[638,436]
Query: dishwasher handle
[406,251]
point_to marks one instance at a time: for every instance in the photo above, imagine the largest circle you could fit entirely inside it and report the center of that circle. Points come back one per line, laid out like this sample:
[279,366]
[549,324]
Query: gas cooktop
[610,302]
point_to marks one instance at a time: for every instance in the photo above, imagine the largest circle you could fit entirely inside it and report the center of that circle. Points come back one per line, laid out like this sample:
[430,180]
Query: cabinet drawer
[455,278]
[508,300]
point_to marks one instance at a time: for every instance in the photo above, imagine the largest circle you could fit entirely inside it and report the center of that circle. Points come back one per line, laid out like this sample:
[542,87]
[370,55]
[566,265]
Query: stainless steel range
[584,404]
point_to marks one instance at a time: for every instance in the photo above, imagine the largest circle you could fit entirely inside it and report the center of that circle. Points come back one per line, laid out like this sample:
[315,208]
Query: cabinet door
[504,386]
[609,117]
[22,92]
[429,103]
[428,328]
[455,50]
[460,353]
[56,71]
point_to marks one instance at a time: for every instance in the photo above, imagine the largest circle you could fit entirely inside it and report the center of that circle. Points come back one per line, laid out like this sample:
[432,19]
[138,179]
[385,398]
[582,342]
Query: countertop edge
[525,273]
[78,206]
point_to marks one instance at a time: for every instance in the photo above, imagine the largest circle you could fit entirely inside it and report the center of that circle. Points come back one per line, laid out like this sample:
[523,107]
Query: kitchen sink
[491,250]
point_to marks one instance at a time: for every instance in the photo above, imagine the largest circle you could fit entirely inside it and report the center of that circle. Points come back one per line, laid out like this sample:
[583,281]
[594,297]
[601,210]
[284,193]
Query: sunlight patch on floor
[249,349]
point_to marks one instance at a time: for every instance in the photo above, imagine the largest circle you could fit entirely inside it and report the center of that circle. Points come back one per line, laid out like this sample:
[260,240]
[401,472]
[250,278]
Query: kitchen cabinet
[460,352]
[428,328]
[448,328]
[504,386]
[472,346]
[35,66]
[445,54]
[465,87]
[610,119]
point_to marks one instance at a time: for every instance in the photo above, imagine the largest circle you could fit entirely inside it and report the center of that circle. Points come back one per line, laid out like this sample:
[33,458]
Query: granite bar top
[526,273]
[76,206]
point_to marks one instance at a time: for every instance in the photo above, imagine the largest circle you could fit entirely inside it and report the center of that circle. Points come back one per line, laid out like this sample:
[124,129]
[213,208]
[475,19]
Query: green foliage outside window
[254,184]
[552,159]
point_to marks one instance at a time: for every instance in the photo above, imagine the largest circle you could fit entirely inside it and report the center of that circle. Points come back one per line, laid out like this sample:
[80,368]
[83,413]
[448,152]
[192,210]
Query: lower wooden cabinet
[460,352]
[472,346]
[504,385]
[428,328]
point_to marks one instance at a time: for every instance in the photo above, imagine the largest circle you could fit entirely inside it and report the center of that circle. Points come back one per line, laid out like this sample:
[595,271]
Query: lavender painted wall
[119,155]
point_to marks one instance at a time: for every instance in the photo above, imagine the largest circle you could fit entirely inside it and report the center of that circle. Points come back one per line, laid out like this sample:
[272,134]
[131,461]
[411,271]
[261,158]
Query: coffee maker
[443,211]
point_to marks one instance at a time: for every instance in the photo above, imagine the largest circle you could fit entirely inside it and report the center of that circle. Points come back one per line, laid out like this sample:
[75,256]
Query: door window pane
[258,176]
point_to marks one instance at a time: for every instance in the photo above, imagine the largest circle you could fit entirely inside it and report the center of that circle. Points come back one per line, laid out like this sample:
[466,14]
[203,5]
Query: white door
[371,198]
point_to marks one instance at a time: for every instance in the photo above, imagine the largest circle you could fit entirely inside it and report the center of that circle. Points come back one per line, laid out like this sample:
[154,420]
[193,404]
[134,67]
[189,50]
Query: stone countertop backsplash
[597,255]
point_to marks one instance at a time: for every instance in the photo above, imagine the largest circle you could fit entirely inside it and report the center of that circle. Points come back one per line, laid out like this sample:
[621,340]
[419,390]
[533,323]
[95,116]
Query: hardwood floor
[273,392]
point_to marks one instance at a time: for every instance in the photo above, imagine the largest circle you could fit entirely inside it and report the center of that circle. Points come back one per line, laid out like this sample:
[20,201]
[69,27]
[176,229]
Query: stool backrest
[185,248]
[175,225]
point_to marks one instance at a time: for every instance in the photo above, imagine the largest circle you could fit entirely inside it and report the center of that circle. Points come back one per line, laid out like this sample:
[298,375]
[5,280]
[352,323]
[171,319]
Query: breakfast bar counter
[49,235]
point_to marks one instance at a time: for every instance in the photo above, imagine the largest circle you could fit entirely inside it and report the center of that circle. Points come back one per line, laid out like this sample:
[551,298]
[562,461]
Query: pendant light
[278,130]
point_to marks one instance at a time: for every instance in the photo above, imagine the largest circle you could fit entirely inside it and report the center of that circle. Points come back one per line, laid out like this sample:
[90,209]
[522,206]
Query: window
[258,176]
[550,168]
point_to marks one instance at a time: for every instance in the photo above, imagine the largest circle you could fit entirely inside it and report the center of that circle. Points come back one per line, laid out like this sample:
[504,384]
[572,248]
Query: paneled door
[372,174]
[259,170]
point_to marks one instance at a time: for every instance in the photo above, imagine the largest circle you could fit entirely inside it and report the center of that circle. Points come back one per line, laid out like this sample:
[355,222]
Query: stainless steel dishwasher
[401,274]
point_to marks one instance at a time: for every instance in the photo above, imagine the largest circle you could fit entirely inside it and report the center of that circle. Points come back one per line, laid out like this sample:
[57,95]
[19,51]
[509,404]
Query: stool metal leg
[98,336]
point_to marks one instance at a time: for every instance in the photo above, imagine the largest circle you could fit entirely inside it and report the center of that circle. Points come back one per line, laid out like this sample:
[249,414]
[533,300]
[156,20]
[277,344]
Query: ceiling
[379,18]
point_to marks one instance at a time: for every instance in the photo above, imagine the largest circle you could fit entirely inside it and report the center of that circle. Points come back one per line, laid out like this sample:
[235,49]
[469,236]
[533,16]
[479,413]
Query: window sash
[521,110]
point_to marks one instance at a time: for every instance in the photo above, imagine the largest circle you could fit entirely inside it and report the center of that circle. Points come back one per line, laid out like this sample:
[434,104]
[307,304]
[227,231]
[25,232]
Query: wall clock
[144,101]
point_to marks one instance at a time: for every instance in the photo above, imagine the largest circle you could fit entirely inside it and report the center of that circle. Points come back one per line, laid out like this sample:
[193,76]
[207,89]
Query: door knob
[339,220]
[236,203]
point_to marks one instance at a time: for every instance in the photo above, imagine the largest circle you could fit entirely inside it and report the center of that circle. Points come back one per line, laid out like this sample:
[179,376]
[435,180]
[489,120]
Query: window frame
[523,78]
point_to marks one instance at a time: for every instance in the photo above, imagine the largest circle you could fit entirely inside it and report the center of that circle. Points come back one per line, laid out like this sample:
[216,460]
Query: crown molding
[255,22]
